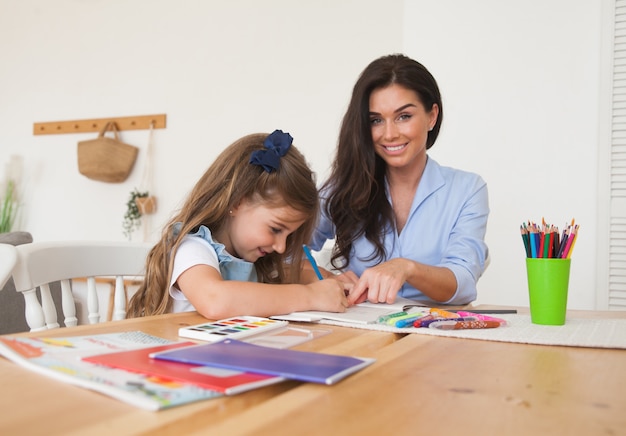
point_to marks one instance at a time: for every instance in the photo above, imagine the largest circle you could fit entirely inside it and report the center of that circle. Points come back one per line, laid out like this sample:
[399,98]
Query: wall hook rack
[139,122]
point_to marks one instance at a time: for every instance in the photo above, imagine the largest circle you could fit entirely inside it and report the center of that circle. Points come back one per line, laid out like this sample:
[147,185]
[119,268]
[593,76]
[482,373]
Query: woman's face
[400,126]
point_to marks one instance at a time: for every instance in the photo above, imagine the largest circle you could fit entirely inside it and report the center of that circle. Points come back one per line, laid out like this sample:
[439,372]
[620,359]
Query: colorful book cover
[61,359]
[292,364]
[222,380]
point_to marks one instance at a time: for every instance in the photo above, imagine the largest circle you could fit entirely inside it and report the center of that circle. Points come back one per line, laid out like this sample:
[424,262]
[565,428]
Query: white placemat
[577,332]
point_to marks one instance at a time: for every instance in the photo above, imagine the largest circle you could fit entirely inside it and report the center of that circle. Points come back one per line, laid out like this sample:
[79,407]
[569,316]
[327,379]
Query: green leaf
[8,208]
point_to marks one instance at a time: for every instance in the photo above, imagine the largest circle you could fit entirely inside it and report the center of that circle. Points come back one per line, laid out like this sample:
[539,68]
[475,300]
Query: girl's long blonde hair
[228,181]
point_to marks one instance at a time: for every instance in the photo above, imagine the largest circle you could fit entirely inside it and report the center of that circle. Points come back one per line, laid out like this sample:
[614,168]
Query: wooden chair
[8,257]
[41,263]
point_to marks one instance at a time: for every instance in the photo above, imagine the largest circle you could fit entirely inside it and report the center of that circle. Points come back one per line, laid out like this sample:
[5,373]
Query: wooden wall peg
[140,122]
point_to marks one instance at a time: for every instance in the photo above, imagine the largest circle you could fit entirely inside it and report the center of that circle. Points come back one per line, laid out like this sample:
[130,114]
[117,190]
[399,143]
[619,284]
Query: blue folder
[242,356]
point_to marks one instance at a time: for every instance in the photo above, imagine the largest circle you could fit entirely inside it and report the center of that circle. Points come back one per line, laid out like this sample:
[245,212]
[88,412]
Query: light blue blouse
[231,267]
[446,227]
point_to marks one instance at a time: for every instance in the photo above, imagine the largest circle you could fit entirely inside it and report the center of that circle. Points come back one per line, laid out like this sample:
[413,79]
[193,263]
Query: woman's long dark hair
[356,200]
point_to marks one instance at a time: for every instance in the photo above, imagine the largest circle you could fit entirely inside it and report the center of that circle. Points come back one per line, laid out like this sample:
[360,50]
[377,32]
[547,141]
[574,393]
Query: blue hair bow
[276,146]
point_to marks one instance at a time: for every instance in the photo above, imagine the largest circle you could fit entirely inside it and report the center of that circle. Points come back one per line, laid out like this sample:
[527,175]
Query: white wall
[520,84]
[218,69]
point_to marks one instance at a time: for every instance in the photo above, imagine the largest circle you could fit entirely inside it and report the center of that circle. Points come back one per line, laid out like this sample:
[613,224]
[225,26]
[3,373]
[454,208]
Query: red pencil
[571,247]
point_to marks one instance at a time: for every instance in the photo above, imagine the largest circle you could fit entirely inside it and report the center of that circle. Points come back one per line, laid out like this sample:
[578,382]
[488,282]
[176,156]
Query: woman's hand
[381,283]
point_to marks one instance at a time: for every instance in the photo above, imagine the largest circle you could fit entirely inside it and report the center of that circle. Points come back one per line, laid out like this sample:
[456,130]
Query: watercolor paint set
[231,328]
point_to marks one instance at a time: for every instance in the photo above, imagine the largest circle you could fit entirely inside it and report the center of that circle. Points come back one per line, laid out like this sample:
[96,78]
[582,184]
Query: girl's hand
[348,277]
[329,295]
[381,283]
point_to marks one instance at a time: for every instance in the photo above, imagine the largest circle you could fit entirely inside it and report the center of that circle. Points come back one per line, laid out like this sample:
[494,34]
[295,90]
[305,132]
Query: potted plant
[139,203]
[8,208]
[146,205]
[132,217]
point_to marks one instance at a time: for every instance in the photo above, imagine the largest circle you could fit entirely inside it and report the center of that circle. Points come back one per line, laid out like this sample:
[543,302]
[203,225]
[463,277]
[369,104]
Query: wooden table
[419,385]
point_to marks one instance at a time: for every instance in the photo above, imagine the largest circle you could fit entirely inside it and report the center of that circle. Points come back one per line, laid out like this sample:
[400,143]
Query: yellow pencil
[575,232]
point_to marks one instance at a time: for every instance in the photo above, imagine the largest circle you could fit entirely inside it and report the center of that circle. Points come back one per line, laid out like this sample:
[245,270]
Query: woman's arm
[450,281]
[382,282]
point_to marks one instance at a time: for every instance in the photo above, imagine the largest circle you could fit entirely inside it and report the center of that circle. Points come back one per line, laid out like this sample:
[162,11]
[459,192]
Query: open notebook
[363,313]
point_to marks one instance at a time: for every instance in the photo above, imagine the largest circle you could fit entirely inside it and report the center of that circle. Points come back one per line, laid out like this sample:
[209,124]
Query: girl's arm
[216,298]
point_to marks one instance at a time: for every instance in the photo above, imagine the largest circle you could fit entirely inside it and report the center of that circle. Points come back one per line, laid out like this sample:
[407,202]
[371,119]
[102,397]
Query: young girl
[224,254]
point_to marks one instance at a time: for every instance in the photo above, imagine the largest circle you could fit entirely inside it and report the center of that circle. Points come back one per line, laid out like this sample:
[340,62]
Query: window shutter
[617,219]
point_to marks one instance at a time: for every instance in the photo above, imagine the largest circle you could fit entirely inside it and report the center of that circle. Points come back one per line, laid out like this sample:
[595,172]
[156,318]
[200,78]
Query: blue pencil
[533,244]
[313,263]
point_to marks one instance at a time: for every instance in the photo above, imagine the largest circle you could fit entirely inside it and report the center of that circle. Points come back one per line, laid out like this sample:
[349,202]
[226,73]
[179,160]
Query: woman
[403,225]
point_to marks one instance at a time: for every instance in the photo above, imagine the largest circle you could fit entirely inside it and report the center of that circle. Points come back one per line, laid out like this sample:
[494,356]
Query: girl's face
[256,230]
[400,126]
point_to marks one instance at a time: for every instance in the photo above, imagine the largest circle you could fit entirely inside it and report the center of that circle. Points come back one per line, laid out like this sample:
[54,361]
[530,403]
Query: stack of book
[154,373]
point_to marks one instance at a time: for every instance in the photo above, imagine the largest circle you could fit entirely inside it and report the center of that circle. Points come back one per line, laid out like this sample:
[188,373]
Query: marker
[384,318]
[463,325]
[410,321]
[495,311]
[443,313]
[418,322]
[312,261]
[427,323]
[481,317]
[405,320]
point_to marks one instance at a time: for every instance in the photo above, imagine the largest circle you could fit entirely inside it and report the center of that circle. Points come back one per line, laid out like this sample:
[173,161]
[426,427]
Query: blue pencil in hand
[309,256]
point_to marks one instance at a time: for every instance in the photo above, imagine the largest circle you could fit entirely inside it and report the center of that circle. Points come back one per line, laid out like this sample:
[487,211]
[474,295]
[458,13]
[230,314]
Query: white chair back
[41,263]
[8,257]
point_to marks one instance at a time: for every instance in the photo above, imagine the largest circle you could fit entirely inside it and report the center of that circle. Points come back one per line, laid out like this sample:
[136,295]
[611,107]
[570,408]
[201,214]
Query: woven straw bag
[106,159]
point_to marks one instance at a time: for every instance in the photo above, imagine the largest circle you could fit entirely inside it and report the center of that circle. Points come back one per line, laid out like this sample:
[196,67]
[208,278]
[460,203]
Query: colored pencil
[546,242]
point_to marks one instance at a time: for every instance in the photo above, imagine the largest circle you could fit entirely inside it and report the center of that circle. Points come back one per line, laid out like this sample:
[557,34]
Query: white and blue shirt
[199,248]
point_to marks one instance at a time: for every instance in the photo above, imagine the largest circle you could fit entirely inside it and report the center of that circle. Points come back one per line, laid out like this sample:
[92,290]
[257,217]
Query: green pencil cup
[548,282]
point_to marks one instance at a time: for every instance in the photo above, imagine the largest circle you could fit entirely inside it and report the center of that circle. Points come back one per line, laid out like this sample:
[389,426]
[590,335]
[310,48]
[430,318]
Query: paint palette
[231,328]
